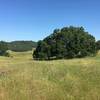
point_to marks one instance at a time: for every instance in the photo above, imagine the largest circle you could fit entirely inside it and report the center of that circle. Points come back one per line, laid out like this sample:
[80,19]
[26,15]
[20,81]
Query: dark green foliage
[20,46]
[3,49]
[42,53]
[69,42]
[98,45]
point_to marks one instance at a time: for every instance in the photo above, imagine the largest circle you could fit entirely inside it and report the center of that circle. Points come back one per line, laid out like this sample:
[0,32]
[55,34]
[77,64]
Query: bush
[68,42]
[7,54]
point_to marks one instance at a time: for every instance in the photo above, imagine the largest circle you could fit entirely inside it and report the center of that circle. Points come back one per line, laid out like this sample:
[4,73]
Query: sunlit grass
[22,78]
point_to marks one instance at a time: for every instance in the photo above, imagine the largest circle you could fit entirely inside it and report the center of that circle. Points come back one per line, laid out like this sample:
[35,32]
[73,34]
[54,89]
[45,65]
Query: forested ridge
[17,46]
[20,46]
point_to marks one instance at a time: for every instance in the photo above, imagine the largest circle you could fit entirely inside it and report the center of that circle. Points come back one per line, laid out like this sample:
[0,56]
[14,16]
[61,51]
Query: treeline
[3,49]
[17,46]
[68,42]
[21,46]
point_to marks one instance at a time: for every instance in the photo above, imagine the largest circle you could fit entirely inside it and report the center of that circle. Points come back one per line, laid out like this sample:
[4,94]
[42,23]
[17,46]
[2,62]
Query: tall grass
[22,78]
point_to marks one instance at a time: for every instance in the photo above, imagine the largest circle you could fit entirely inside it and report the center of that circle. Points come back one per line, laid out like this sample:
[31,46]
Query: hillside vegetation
[17,46]
[22,78]
[21,46]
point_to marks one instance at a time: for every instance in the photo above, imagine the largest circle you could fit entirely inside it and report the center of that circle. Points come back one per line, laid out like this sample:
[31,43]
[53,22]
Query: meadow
[22,78]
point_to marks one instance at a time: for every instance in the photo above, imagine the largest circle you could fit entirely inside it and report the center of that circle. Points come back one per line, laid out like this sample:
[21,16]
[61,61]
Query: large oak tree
[68,42]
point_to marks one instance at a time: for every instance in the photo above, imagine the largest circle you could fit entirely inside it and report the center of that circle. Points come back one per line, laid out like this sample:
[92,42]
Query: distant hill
[20,46]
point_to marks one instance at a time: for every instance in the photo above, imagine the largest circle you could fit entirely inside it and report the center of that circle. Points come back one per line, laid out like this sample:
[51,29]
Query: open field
[22,78]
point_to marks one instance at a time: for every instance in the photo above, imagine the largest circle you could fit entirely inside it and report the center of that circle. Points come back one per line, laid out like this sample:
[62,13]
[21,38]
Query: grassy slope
[22,78]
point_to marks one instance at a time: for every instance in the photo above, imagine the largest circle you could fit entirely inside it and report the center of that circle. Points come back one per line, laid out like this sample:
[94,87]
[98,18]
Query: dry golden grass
[22,78]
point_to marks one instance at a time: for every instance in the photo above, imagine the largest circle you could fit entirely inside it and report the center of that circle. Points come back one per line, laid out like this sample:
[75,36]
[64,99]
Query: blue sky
[36,19]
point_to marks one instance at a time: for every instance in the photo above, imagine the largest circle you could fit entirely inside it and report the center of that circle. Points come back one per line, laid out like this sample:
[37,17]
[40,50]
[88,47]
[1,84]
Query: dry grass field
[22,78]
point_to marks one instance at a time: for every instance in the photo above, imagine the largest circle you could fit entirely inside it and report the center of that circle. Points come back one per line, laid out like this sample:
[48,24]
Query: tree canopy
[98,45]
[68,42]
